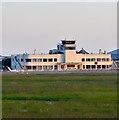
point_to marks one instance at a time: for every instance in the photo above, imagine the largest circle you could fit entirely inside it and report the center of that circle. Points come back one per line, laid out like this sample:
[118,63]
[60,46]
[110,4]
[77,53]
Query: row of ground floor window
[66,67]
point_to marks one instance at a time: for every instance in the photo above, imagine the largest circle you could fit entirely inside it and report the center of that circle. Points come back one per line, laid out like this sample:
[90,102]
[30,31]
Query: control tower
[69,49]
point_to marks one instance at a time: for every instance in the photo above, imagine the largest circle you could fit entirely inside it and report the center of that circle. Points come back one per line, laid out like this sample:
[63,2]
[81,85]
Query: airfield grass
[59,96]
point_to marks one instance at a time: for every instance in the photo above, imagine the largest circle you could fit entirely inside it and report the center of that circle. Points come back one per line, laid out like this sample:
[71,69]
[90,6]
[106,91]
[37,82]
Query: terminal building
[65,57]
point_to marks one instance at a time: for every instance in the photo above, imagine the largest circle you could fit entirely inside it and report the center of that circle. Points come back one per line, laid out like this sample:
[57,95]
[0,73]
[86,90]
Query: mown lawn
[59,96]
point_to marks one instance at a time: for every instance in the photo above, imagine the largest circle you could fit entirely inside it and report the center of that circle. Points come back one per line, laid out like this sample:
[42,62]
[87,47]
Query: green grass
[59,96]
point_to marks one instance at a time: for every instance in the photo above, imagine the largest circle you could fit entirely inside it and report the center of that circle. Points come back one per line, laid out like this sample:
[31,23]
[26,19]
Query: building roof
[115,54]
[82,51]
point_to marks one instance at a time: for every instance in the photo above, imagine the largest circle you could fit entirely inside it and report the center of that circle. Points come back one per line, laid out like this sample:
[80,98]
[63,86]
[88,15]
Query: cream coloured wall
[38,56]
[106,63]
[97,56]
[71,56]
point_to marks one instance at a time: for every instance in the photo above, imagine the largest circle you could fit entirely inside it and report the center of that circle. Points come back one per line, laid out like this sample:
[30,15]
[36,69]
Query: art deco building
[65,57]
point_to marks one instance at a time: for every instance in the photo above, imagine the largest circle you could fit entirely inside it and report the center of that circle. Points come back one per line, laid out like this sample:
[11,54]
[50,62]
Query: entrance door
[70,67]
[78,66]
[62,67]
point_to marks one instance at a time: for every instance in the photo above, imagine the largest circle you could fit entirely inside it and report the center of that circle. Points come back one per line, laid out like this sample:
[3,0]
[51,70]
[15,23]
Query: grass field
[59,96]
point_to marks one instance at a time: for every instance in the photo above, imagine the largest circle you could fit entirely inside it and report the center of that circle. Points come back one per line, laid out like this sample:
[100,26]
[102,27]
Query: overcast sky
[28,26]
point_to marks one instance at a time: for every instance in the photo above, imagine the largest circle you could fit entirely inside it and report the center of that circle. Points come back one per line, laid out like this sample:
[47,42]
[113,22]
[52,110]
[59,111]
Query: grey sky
[40,26]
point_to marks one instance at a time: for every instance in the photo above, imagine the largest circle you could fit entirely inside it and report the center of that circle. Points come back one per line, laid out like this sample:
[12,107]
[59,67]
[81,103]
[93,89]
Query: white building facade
[65,57]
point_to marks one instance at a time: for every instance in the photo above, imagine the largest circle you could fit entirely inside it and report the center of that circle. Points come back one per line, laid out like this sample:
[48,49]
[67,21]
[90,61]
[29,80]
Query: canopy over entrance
[69,66]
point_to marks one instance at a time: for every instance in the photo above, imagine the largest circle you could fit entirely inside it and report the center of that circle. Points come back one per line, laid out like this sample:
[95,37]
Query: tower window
[69,48]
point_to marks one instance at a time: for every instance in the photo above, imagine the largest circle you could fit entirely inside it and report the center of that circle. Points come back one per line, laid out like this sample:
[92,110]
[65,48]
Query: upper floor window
[28,60]
[92,59]
[44,60]
[55,59]
[34,60]
[39,60]
[107,59]
[98,59]
[87,59]
[50,60]
[21,60]
[83,59]
[103,59]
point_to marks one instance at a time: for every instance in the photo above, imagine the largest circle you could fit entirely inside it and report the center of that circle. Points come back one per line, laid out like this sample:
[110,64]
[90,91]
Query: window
[78,66]
[103,59]
[62,67]
[107,59]
[93,66]
[39,67]
[98,66]
[34,60]
[87,66]
[55,67]
[69,48]
[87,59]
[21,60]
[45,67]
[98,59]
[92,59]
[28,60]
[34,67]
[44,60]
[83,59]
[83,66]
[103,66]
[39,60]
[50,60]
[108,66]
[28,67]
[50,67]
[70,65]
[55,59]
